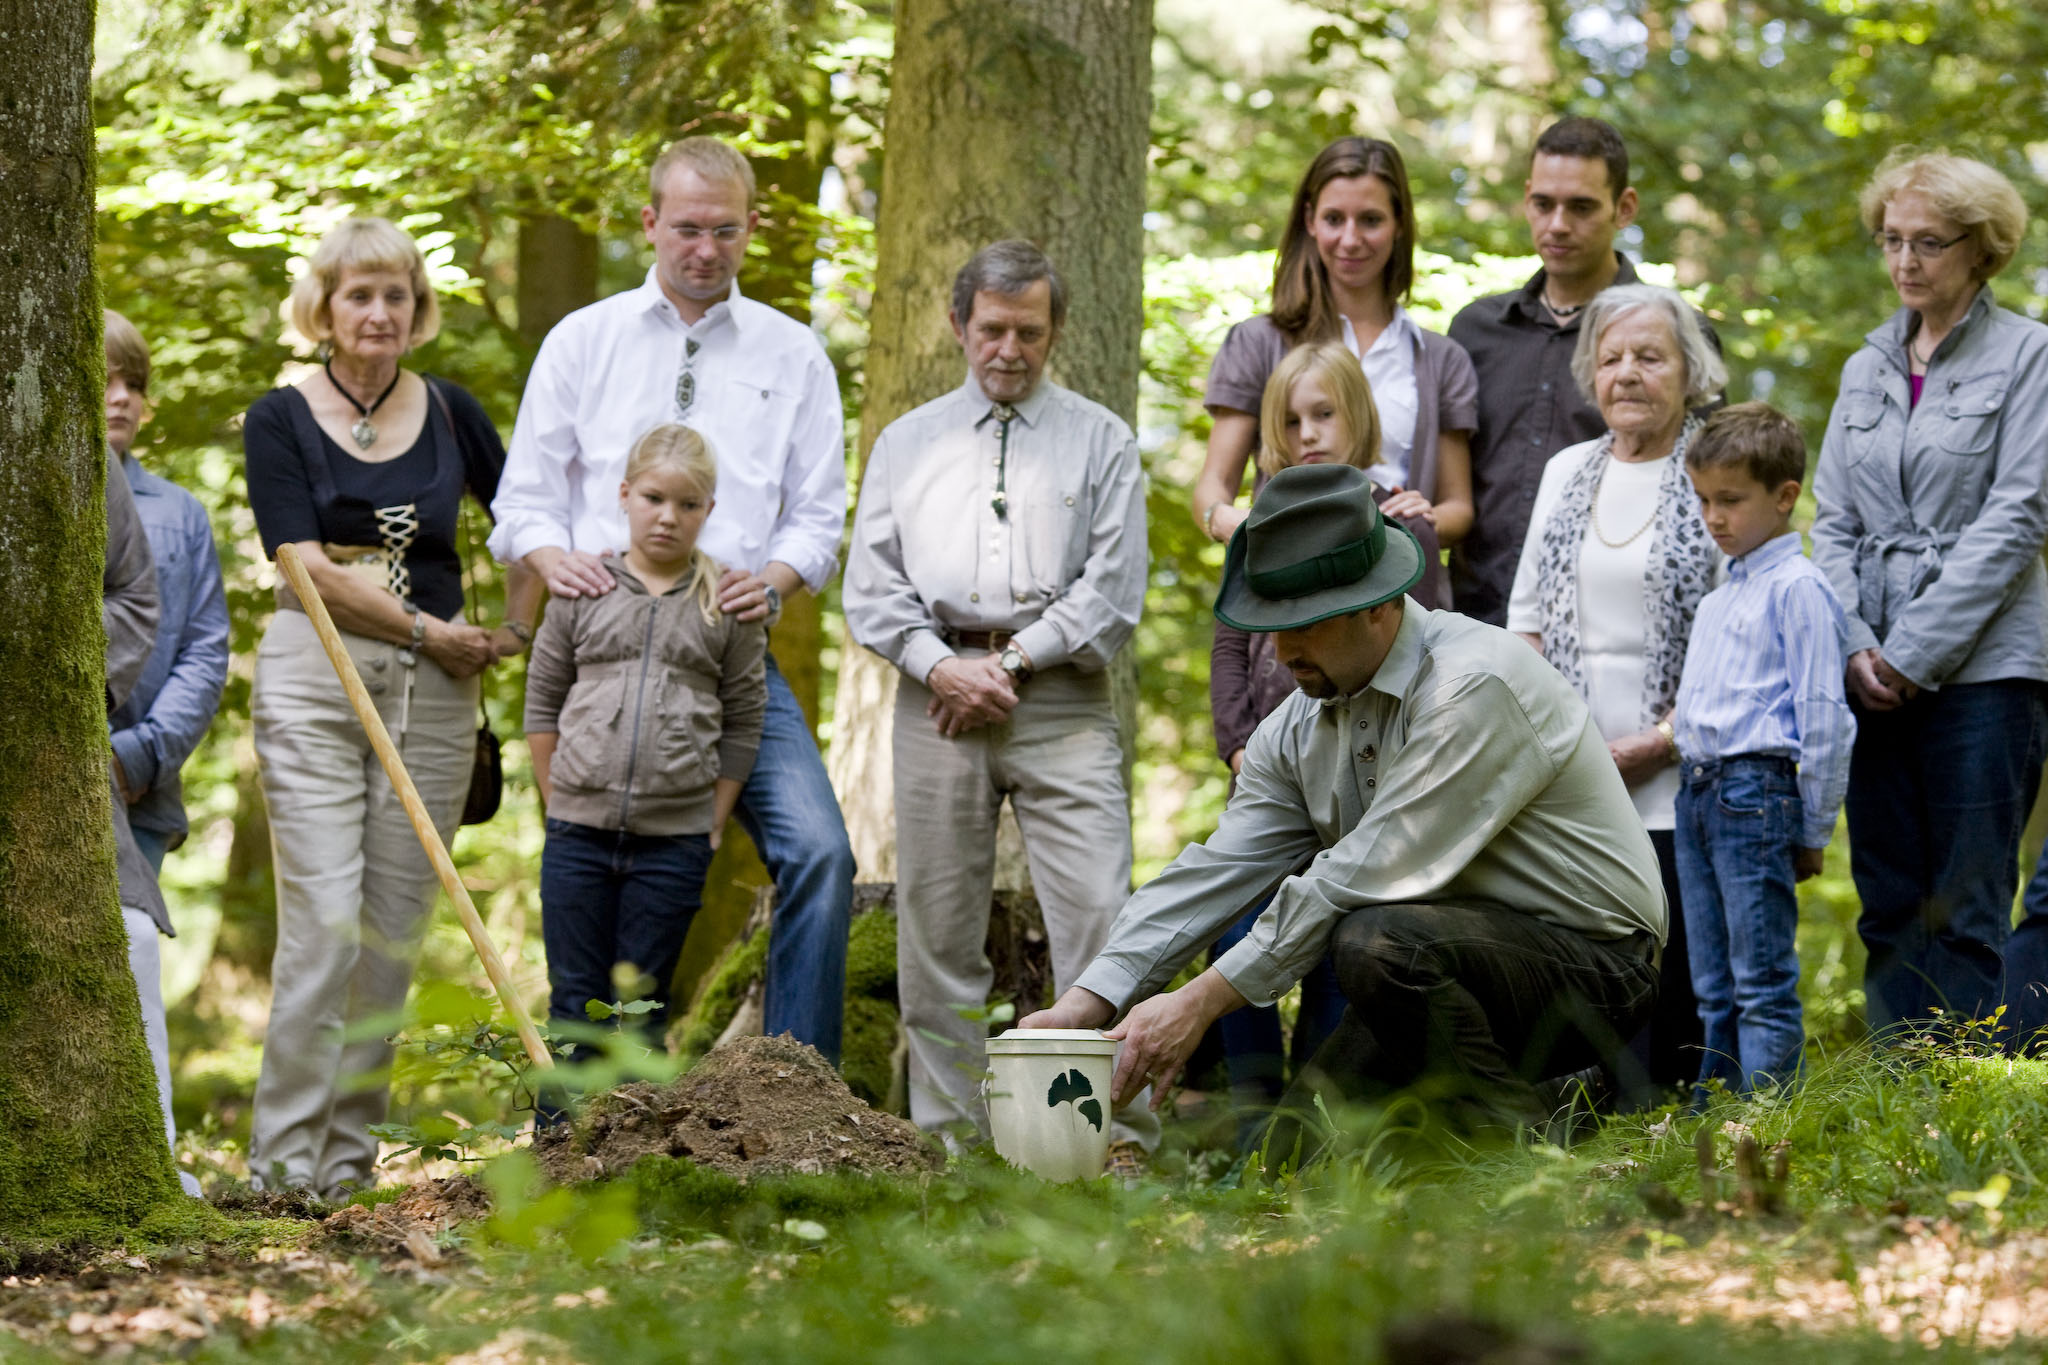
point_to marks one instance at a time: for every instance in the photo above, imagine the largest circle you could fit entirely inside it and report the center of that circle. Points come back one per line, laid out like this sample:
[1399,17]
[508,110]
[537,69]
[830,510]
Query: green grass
[984,1263]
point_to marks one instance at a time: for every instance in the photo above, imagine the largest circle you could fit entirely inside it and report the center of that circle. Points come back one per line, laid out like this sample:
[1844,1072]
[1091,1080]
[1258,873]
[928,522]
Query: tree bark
[1026,119]
[82,1144]
[557,273]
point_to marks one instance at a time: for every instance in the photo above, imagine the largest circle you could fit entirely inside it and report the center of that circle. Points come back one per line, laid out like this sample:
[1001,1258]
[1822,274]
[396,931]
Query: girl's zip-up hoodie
[651,703]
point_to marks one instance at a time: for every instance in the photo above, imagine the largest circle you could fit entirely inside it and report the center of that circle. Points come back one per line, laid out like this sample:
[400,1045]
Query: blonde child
[643,713]
[1317,408]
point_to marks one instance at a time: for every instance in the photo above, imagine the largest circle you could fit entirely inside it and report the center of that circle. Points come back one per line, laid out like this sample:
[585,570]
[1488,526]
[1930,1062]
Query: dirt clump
[755,1106]
[412,1223]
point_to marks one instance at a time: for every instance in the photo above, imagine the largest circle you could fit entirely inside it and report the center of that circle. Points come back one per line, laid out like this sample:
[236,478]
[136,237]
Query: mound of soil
[755,1106]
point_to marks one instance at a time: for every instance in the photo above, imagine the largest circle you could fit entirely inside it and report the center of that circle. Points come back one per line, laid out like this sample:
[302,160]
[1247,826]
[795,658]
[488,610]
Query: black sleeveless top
[304,486]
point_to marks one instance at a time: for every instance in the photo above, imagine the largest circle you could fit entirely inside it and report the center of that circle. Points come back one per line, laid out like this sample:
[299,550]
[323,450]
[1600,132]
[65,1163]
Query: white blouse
[1613,625]
[1389,366]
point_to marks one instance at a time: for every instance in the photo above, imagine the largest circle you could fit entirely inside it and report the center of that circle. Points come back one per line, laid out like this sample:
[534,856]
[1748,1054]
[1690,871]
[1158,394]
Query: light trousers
[1058,763]
[145,962]
[353,890]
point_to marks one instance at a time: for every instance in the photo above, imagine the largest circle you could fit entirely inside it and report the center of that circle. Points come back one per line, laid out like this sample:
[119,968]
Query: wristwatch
[523,631]
[774,600]
[1014,663]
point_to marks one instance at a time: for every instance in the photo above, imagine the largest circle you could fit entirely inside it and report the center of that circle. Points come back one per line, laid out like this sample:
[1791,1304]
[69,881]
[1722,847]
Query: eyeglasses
[1926,248]
[725,234]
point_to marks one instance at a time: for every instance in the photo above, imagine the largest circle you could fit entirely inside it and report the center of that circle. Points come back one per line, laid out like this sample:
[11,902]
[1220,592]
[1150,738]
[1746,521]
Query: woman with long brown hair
[1347,262]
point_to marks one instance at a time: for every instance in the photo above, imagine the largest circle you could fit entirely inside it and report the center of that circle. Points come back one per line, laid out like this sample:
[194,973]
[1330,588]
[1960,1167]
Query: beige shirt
[1063,566]
[1466,772]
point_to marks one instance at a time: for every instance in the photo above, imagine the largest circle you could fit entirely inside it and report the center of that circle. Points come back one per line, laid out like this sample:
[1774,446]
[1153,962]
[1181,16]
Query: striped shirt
[1763,675]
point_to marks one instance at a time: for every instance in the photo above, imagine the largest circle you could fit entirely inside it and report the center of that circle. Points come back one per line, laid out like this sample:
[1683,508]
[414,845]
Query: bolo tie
[686,382]
[1005,414]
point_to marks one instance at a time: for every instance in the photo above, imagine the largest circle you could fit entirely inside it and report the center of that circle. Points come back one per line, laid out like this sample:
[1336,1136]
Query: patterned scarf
[1683,558]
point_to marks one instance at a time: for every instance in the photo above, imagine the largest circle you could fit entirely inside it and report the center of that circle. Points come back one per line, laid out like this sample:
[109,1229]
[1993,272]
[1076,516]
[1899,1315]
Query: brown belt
[981,639]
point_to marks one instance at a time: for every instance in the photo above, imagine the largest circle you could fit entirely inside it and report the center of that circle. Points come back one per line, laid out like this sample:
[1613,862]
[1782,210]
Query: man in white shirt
[687,346]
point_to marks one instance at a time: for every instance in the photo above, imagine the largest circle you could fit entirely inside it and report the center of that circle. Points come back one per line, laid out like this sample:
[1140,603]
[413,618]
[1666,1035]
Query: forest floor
[1889,1209]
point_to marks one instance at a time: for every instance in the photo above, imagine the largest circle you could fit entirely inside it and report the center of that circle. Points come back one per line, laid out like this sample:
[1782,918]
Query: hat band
[1337,568]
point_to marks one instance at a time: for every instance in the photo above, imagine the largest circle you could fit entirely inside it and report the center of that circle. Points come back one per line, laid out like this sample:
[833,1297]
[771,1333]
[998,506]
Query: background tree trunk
[557,264]
[1027,119]
[82,1142]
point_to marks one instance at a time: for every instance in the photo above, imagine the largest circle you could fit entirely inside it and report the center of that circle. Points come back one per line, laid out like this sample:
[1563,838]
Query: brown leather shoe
[1127,1162]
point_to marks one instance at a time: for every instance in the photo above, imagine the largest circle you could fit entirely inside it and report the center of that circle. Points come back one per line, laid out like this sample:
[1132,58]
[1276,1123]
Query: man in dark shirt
[1577,199]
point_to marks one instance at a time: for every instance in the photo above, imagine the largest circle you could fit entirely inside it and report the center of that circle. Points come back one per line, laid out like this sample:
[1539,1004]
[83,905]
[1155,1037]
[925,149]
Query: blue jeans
[609,898]
[1938,793]
[788,809]
[153,845]
[1253,1051]
[1738,823]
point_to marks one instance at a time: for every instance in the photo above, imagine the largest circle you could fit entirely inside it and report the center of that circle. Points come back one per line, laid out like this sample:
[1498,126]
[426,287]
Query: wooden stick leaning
[294,569]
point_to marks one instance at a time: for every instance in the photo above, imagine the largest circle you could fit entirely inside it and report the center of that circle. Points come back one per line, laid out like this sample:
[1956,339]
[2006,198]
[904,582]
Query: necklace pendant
[365,433]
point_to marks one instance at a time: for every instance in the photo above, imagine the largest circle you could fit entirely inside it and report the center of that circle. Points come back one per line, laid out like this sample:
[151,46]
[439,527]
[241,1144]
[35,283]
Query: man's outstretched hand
[1160,1035]
[1078,1008]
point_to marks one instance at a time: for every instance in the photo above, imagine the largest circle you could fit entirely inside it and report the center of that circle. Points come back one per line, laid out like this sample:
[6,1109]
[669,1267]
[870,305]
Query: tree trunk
[1027,119]
[82,1144]
[557,273]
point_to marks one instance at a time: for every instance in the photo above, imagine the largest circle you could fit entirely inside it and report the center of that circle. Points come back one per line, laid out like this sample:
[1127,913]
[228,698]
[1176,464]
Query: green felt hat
[1315,546]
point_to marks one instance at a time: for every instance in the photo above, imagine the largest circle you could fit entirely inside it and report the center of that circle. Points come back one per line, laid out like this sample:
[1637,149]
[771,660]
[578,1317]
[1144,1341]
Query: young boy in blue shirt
[1763,731]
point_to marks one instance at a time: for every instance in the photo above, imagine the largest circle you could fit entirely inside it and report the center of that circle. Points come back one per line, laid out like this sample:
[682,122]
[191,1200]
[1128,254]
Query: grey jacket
[128,613]
[651,703]
[1931,519]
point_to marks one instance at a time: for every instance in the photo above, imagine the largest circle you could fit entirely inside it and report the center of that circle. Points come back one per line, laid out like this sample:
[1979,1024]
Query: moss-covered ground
[1906,1221]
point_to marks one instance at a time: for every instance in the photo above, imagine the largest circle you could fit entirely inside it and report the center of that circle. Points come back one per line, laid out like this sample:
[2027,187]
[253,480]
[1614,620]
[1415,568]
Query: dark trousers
[1939,791]
[617,902]
[1481,1001]
[1255,1055]
[1664,1055]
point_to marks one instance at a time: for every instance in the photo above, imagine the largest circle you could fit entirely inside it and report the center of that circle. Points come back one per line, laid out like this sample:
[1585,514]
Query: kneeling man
[1435,809]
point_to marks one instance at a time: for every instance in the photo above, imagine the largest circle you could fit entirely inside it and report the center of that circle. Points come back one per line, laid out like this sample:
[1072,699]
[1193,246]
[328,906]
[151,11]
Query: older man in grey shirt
[999,561]
[1434,806]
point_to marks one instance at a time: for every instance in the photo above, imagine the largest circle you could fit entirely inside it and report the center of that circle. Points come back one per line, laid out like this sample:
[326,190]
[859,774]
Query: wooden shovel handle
[294,570]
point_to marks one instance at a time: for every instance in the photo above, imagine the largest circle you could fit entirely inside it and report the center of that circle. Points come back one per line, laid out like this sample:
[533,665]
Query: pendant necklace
[364,431]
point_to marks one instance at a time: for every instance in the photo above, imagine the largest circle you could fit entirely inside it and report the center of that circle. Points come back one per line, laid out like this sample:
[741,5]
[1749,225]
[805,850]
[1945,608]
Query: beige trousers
[1057,762]
[353,890]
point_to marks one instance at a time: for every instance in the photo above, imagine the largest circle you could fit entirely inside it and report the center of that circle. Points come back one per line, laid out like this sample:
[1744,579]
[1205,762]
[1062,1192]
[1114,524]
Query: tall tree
[1028,119]
[83,1140]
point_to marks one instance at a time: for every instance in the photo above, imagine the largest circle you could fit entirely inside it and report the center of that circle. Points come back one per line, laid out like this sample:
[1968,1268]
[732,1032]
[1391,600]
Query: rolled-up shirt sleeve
[1458,784]
[534,498]
[1265,833]
[1095,614]
[184,706]
[884,611]
[806,535]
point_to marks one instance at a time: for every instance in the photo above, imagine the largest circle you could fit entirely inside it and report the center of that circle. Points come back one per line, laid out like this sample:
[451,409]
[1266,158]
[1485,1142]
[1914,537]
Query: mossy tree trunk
[1026,119]
[81,1134]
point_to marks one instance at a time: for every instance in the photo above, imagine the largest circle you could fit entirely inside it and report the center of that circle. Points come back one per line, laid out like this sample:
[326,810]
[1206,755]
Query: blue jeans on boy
[1939,791]
[1738,826]
[790,812]
[1254,1055]
[608,897]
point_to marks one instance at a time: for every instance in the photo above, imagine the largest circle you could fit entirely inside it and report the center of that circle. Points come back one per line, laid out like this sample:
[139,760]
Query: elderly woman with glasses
[362,466]
[1613,567]
[1930,520]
